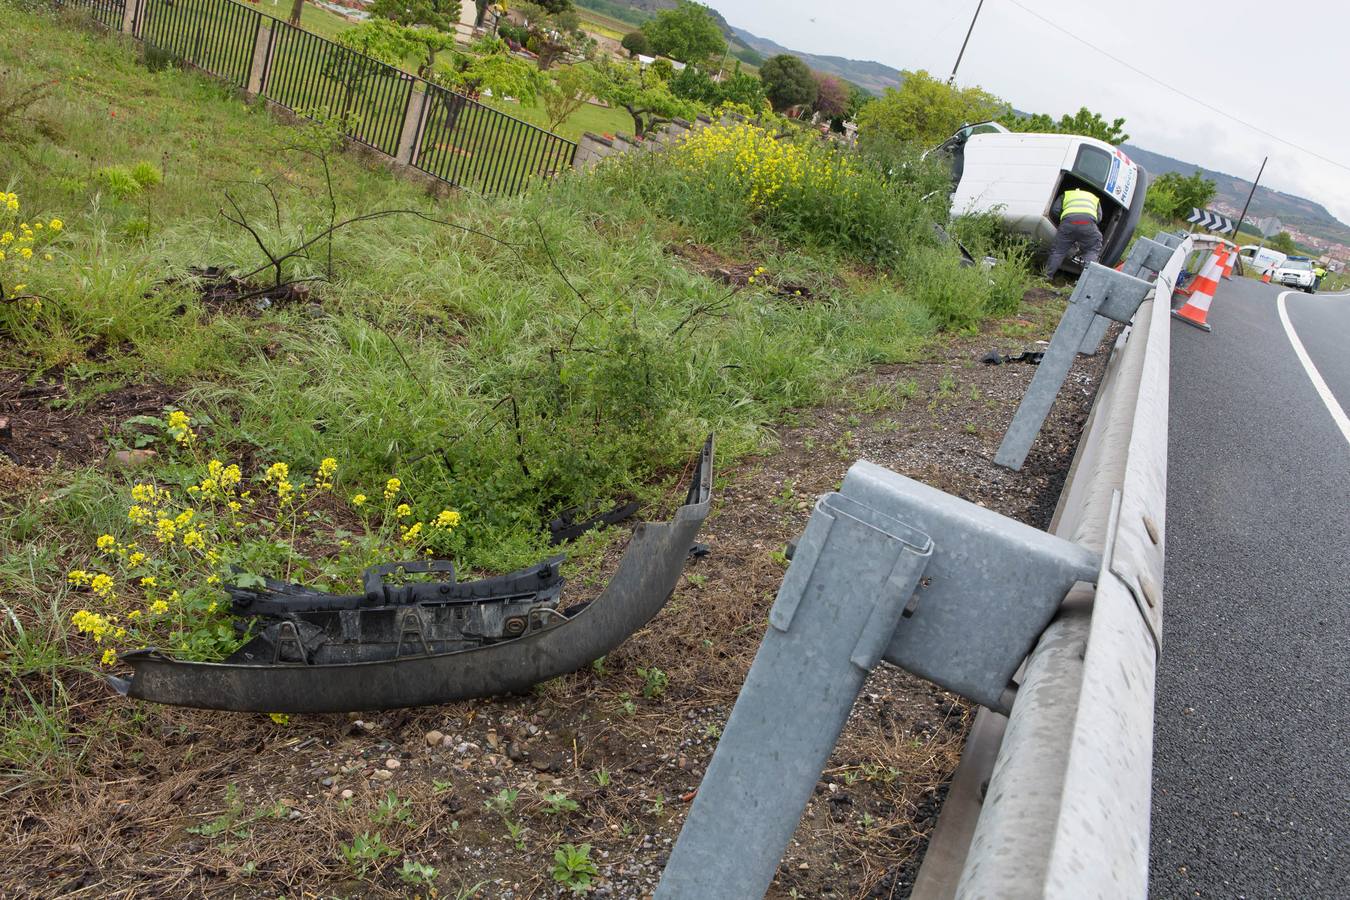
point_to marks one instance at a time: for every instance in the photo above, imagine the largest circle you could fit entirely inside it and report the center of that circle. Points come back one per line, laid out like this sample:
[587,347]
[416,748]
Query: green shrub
[146,174]
[118,181]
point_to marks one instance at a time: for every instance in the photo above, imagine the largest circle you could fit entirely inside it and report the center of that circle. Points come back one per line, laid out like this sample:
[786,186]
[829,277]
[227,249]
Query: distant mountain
[866,74]
[1305,215]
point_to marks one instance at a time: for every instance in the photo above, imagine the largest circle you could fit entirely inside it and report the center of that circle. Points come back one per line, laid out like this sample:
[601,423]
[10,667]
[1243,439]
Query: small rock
[434,738]
[447,742]
[347,794]
[130,459]
[382,775]
[327,782]
[392,763]
[492,738]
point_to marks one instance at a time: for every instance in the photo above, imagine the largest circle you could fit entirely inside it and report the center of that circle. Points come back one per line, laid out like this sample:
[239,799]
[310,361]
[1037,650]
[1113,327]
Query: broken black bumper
[553,644]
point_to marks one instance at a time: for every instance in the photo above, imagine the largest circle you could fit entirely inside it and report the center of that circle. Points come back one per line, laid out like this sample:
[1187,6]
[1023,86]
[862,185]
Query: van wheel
[1308,289]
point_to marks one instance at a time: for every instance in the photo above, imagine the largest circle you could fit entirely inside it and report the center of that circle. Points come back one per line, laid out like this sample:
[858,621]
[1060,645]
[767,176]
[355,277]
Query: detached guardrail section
[417,124]
[1055,634]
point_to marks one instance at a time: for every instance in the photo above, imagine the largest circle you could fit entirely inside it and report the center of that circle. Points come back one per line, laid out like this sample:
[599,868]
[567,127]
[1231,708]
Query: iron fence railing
[107,12]
[456,138]
[310,75]
[217,36]
[477,147]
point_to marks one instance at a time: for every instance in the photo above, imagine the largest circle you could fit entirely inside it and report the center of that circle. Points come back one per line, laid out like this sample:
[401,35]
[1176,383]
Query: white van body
[1020,176]
[1261,258]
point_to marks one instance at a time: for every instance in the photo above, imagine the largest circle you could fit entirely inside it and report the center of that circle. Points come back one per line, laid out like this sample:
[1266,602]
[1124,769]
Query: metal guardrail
[1054,801]
[437,131]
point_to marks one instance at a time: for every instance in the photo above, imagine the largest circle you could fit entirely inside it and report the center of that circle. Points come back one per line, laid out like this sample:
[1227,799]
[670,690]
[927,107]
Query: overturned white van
[1020,176]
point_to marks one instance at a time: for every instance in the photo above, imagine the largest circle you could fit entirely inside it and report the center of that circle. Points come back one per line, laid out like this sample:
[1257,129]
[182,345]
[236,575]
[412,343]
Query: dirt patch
[223,293]
[184,802]
[48,429]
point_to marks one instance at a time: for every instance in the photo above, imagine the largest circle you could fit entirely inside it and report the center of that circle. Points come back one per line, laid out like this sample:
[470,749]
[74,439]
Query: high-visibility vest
[1081,204]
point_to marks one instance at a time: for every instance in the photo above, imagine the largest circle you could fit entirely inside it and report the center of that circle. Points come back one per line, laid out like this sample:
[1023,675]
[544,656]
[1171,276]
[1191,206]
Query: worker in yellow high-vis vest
[1080,212]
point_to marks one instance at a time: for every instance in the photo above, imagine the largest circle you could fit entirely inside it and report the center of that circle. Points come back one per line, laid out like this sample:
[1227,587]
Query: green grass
[415,358]
[597,119]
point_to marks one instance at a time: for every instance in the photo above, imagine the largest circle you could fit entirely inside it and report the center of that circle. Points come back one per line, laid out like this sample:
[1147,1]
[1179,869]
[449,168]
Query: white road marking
[1337,414]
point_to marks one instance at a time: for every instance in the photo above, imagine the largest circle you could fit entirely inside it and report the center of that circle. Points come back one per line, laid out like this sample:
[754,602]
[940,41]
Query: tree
[490,67]
[1283,242]
[832,96]
[439,14]
[925,110]
[1084,122]
[691,84]
[857,99]
[637,44]
[645,97]
[297,7]
[554,30]
[567,91]
[687,33]
[787,82]
[1173,196]
[393,43]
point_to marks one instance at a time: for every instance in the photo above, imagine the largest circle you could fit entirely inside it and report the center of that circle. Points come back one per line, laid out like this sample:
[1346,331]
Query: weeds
[365,852]
[573,867]
[654,682]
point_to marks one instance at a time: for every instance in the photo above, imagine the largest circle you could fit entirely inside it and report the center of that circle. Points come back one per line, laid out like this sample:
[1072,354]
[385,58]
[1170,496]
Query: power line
[1179,91]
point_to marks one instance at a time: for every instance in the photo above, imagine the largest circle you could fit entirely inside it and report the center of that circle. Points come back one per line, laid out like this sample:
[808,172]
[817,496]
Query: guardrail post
[258,66]
[1100,291]
[1146,254]
[887,569]
[409,138]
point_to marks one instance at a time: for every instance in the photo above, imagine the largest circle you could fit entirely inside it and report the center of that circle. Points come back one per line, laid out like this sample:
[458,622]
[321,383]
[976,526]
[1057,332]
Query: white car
[1296,272]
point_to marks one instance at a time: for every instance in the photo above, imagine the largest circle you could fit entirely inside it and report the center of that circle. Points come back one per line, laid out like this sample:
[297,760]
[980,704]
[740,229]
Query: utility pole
[969,31]
[1250,194]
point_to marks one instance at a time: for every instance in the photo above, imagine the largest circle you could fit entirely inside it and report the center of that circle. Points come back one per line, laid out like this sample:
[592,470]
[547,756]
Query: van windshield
[1301,265]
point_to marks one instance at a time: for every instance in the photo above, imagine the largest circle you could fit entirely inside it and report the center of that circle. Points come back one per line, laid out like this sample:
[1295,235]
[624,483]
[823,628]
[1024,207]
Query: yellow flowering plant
[25,245]
[205,525]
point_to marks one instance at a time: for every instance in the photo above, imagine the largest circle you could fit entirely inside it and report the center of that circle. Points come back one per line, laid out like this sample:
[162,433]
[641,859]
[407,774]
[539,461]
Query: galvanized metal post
[852,574]
[891,569]
[1146,254]
[1100,291]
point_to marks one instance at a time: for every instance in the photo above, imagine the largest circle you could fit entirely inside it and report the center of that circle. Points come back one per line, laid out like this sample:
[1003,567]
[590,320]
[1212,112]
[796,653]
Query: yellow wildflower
[327,466]
[159,608]
[138,514]
[403,511]
[359,500]
[279,718]
[148,581]
[184,518]
[165,530]
[391,488]
[105,542]
[78,577]
[56,225]
[109,657]
[446,518]
[134,615]
[136,558]
[102,585]
[277,471]
[412,532]
[193,540]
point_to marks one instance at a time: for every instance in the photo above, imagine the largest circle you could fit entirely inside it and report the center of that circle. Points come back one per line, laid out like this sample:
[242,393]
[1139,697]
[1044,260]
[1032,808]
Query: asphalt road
[1251,791]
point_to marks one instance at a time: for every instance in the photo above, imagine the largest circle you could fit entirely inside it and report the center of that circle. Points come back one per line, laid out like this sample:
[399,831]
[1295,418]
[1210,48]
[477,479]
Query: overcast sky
[1283,67]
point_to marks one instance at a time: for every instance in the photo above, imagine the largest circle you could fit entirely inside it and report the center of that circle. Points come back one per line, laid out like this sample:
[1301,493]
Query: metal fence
[308,74]
[107,12]
[216,36]
[452,137]
[474,146]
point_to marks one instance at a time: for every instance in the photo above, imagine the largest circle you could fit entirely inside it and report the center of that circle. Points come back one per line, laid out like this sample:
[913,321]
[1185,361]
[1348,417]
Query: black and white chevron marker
[1210,220]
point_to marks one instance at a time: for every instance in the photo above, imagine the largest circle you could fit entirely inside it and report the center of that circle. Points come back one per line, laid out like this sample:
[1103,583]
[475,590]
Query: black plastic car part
[407,645]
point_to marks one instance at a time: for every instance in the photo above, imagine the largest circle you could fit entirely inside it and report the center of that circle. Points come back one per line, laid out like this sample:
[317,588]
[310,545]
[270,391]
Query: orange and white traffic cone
[1229,263]
[1196,309]
[1265,279]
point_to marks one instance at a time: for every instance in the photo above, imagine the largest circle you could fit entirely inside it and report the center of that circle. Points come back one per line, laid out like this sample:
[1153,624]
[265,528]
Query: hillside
[1304,215]
[867,74]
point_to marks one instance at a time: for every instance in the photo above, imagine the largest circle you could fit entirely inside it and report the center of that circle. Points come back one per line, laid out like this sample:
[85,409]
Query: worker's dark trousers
[1083,235]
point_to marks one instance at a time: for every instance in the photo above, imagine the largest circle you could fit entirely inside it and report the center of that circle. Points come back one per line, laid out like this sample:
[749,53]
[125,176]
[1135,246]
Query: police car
[1296,271]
